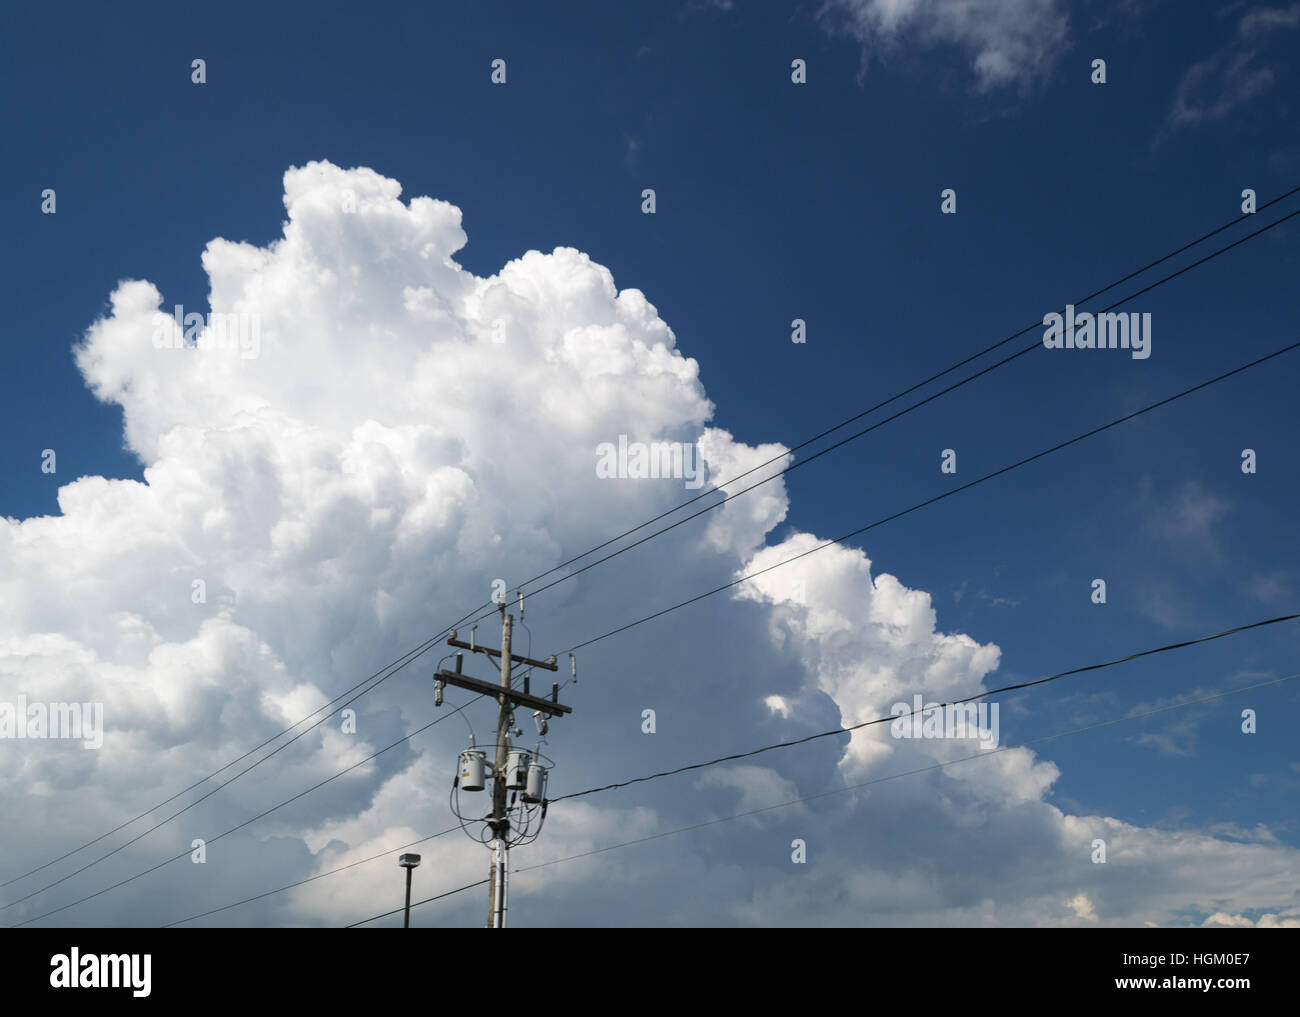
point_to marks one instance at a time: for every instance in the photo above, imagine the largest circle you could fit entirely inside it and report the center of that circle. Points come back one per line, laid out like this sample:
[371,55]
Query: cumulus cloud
[869,642]
[1082,907]
[1268,921]
[755,786]
[406,433]
[364,466]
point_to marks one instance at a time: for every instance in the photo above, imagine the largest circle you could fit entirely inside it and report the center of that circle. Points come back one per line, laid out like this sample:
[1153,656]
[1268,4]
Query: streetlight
[408,862]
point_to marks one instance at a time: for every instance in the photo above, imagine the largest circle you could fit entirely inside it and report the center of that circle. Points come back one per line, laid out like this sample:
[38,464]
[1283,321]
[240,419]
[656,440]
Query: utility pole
[507,700]
[500,821]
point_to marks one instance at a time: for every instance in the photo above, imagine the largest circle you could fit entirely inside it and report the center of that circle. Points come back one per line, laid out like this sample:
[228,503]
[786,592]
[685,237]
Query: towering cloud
[406,433]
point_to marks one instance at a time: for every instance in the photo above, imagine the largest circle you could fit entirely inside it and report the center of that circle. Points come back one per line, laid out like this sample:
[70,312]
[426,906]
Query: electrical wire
[519,814]
[399,662]
[425,646]
[921,384]
[838,540]
[739,815]
[240,826]
[863,529]
[309,879]
[391,668]
[1036,344]
[968,699]
[940,497]
[907,773]
[491,609]
[197,801]
[427,900]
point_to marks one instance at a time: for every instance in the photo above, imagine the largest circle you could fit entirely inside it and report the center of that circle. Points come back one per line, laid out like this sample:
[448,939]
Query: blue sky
[775,201]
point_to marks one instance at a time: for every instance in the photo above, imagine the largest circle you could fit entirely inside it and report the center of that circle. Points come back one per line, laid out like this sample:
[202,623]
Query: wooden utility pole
[500,821]
[507,699]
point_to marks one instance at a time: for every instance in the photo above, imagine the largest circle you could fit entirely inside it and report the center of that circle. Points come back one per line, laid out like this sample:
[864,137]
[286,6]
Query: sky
[454,296]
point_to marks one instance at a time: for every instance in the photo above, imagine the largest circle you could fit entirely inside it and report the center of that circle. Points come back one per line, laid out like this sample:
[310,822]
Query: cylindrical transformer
[471,770]
[535,790]
[517,769]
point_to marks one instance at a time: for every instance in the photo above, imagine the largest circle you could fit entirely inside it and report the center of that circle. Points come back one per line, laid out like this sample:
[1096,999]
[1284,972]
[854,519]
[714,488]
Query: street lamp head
[409,861]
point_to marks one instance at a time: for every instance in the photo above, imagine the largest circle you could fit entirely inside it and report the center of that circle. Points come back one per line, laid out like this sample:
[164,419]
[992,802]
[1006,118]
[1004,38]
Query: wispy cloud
[1186,519]
[1213,88]
[1008,42]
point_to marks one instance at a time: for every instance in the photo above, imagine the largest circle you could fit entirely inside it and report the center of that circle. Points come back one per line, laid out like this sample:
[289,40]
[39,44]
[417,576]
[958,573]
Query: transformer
[471,770]
[535,787]
[517,769]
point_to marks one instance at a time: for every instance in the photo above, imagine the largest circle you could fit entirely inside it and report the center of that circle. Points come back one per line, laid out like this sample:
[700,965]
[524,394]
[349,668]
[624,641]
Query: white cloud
[757,786]
[1222,84]
[1007,42]
[777,704]
[1082,907]
[1269,921]
[364,479]
[869,641]
[366,468]
[1266,19]
[1217,86]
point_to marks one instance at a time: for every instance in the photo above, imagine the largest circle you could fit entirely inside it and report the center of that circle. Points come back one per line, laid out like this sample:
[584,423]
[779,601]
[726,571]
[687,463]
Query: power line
[901,413]
[395,666]
[884,720]
[740,815]
[920,384]
[413,654]
[840,540]
[202,798]
[511,822]
[489,609]
[233,829]
[908,773]
[923,402]
[717,487]
[938,497]
[341,868]
[311,879]
[427,900]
